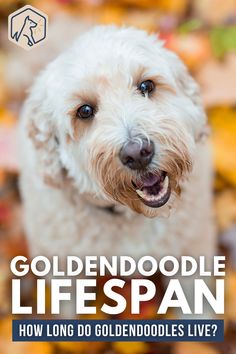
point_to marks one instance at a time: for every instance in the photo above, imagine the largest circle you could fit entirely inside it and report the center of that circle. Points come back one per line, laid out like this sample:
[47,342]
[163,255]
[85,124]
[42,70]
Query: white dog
[112,141]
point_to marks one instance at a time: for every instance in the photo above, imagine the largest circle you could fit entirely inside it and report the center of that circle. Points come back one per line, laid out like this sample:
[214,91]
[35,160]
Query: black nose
[137,156]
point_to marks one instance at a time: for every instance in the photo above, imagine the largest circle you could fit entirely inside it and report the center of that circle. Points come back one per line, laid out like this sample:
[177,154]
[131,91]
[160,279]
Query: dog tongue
[150,180]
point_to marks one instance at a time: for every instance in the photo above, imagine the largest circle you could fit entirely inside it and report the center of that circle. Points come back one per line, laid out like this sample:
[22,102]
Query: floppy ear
[42,132]
[190,88]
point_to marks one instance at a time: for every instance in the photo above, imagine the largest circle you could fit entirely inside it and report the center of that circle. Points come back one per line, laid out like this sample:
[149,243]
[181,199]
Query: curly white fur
[71,168]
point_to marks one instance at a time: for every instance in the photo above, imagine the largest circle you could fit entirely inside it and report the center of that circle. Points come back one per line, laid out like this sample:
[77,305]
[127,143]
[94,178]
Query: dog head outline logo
[27,27]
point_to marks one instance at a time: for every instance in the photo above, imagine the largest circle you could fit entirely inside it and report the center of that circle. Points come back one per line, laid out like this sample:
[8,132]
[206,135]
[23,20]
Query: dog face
[30,22]
[121,115]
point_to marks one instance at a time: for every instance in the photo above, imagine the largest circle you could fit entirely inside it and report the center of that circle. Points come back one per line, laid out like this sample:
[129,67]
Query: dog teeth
[155,198]
[141,194]
[165,184]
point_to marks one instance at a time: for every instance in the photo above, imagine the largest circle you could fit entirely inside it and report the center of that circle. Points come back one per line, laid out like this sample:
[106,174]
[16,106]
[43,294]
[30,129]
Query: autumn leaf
[230,296]
[223,40]
[225,208]
[130,347]
[217,81]
[193,48]
[7,346]
[194,348]
[8,138]
[223,122]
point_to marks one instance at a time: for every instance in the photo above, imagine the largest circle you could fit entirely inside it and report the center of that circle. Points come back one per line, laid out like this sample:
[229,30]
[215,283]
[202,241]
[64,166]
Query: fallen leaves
[8,139]
[223,40]
[217,81]
[214,12]
[193,48]
[225,208]
[223,122]
[194,348]
[130,347]
[200,47]
[9,347]
[230,298]
[4,288]
[80,347]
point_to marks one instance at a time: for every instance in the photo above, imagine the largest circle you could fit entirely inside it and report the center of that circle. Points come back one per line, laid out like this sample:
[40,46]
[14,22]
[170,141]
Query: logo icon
[27,27]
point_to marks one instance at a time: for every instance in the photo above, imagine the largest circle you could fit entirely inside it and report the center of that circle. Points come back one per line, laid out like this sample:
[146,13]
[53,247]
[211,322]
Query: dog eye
[85,112]
[146,87]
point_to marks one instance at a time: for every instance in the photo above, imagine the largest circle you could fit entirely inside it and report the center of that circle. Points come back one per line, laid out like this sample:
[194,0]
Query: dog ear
[42,133]
[190,88]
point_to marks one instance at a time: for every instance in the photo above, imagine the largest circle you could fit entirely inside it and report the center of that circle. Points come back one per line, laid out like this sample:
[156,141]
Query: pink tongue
[150,179]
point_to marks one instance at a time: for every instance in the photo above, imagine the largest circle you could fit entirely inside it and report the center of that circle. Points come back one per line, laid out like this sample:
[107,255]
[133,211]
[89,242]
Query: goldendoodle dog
[114,159]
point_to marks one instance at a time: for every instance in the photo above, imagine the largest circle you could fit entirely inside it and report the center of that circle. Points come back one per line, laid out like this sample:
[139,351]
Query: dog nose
[137,156]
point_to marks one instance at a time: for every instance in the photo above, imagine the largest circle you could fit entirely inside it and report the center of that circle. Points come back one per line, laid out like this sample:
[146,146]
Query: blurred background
[203,34]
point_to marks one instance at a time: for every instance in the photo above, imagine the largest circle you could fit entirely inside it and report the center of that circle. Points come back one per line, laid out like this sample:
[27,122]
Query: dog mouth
[153,189]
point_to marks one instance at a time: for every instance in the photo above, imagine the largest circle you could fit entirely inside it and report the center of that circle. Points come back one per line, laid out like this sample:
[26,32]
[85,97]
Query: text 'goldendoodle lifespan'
[79,278]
